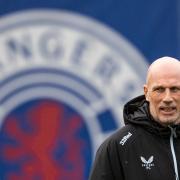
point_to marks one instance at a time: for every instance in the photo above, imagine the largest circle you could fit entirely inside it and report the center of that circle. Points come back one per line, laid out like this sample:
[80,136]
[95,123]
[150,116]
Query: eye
[175,89]
[159,89]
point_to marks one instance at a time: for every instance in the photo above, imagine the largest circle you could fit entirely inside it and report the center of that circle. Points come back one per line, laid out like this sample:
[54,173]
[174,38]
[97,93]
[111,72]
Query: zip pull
[173,134]
[173,131]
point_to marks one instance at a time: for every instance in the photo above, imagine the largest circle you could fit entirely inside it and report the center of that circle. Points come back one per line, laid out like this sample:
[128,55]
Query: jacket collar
[137,112]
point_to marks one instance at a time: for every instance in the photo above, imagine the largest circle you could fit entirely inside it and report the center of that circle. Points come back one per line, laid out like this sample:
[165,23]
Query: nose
[167,97]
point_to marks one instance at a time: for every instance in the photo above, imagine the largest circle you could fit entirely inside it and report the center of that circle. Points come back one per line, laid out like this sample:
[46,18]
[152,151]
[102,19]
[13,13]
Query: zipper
[173,135]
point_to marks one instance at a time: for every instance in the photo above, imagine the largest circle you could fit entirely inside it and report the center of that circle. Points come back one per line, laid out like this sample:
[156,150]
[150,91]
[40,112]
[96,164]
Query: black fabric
[139,151]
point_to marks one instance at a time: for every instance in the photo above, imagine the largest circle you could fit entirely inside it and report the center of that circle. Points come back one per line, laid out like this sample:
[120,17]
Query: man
[148,146]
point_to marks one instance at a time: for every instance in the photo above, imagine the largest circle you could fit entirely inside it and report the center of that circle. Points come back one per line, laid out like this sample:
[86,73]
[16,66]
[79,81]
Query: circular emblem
[64,79]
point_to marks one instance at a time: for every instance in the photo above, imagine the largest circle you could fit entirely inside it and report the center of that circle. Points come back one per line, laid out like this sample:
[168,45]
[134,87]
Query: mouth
[168,110]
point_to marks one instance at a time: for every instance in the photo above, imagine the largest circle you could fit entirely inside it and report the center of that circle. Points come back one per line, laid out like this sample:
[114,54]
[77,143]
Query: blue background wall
[152,26]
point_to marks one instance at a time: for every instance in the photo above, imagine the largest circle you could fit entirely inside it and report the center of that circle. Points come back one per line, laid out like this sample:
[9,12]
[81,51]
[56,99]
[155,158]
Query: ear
[146,92]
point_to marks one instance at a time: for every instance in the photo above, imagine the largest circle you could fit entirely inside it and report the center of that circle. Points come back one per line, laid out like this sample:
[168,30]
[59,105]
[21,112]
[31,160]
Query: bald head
[164,64]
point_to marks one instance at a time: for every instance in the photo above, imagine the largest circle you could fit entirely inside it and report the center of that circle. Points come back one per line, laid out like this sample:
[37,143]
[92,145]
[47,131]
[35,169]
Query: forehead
[165,76]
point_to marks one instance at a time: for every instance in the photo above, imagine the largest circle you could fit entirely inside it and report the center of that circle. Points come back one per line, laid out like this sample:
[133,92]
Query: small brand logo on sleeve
[125,138]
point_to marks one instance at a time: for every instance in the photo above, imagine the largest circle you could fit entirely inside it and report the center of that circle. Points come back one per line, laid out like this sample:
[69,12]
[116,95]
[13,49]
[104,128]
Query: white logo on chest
[147,163]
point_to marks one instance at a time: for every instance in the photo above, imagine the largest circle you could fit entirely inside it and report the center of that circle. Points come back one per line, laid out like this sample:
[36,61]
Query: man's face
[163,93]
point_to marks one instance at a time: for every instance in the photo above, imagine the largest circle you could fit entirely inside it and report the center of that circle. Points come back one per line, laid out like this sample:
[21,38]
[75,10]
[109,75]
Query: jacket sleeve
[107,164]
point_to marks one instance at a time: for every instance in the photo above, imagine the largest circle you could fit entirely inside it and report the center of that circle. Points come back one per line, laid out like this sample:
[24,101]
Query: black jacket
[141,150]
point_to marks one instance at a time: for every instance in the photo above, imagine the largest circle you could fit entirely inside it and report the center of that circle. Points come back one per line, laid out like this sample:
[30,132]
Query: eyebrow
[160,86]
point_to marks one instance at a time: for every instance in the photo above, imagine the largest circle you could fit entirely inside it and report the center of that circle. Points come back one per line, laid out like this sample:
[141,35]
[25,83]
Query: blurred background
[66,70]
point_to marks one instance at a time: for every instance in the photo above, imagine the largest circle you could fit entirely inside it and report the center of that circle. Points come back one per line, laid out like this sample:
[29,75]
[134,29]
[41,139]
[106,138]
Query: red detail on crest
[34,150]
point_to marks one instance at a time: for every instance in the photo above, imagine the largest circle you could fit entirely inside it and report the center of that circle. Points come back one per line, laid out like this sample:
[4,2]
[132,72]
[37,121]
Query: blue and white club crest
[64,79]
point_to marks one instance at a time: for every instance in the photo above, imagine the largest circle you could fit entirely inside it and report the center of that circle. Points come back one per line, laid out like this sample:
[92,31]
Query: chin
[169,121]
